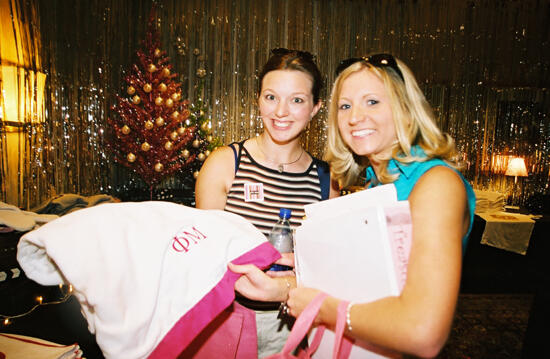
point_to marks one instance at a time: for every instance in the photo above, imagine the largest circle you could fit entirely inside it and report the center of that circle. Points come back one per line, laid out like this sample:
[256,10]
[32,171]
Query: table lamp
[516,167]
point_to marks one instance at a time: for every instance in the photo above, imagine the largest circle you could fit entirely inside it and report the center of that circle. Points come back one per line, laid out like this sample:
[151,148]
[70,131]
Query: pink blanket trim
[212,304]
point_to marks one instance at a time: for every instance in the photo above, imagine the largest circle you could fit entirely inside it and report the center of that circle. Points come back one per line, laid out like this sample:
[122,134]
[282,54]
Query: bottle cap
[285,213]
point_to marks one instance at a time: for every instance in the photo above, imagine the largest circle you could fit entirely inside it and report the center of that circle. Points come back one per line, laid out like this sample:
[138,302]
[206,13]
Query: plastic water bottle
[281,237]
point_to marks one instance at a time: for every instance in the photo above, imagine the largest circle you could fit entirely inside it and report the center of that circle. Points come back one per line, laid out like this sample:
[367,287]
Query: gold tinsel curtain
[484,66]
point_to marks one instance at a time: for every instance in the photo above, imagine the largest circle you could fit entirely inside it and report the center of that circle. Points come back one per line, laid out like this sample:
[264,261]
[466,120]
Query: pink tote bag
[304,322]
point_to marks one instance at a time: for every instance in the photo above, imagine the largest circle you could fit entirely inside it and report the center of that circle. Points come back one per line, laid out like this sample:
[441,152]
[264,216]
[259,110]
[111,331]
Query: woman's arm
[419,320]
[215,178]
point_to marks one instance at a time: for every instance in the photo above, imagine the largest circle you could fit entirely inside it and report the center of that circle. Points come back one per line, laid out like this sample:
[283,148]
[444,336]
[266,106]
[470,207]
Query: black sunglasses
[377,60]
[281,51]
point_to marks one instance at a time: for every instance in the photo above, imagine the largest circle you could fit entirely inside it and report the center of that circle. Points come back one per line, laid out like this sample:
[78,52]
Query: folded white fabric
[149,276]
[13,217]
[14,346]
[488,201]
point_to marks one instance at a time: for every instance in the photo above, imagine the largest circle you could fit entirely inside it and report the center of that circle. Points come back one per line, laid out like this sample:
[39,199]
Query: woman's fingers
[287,259]
[299,298]
[241,268]
[284,273]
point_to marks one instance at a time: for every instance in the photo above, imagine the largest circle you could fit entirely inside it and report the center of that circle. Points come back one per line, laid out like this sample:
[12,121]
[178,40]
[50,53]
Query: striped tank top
[257,192]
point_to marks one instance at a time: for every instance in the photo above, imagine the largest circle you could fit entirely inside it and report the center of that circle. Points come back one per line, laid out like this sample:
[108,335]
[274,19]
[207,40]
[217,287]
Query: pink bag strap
[303,323]
[342,344]
[314,345]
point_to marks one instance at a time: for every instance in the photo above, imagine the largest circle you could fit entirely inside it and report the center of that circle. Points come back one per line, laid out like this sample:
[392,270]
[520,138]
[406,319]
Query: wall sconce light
[21,81]
[516,167]
[22,102]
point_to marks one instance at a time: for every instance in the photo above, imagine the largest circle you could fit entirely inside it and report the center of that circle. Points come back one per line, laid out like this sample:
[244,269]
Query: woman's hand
[299,298]
[287,259]
[256,285]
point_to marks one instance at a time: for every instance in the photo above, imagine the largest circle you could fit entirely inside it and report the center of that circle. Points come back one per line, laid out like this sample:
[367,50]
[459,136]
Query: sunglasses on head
[377,60]
[281,51]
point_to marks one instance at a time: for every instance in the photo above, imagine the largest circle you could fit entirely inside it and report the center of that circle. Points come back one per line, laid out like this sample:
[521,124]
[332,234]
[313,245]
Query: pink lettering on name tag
[253,192]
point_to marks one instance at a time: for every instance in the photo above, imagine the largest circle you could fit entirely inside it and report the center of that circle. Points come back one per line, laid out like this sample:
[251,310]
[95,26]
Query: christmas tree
[155,134]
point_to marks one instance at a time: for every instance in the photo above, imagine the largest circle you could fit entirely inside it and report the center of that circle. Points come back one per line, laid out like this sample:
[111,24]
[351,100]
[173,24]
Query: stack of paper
[356,248]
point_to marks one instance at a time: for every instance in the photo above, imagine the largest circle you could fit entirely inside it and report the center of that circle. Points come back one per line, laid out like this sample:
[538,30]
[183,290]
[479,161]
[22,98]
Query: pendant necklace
[280,166]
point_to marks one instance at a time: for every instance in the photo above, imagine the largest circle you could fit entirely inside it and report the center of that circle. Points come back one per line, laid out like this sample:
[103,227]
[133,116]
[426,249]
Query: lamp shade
[516,167]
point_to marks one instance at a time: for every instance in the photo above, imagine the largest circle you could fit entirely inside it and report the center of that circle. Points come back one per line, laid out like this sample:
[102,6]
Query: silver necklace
[280,166]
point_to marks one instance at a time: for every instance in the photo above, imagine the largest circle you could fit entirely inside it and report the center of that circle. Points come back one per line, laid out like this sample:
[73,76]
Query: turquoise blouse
[409,175]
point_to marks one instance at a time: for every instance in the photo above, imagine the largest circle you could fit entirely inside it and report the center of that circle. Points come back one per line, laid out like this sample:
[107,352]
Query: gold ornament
[175,96]
[145,146]
[175,115]
[125,129]
[131,90]
[158,101]
[136,100]
[166,72]
[201,72]
[148,125]
[196,51]
[181,130]
[209,138]
[169,102]
[168,146]
[185,153]
[207,153]
[195,174]
[147,88]
[159,167]
[201,113]
[162,87]
[151,68]
[196,143]
[174,135]
[159,121]
[157,53]
[204,126]
[201,156]
[131,157]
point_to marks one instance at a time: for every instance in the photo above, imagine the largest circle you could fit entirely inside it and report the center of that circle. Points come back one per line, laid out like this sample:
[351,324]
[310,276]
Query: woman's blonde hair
[414,124]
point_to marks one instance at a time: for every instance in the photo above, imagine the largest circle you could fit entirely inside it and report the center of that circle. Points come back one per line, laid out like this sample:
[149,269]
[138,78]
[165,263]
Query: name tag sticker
[253,192]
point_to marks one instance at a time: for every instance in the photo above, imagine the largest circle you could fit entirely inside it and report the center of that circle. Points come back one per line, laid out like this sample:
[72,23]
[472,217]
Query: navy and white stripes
[281,190]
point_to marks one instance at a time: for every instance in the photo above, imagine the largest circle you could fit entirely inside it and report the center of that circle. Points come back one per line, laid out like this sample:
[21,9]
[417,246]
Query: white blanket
[149,276]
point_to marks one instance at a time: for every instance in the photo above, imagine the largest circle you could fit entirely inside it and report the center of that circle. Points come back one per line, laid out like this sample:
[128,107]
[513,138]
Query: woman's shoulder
[221,153]
[226,156]
[441,177]
[221,158]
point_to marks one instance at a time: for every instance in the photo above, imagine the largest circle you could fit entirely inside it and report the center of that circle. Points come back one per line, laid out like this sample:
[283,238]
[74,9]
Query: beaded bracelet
[348,318]
[283,308]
